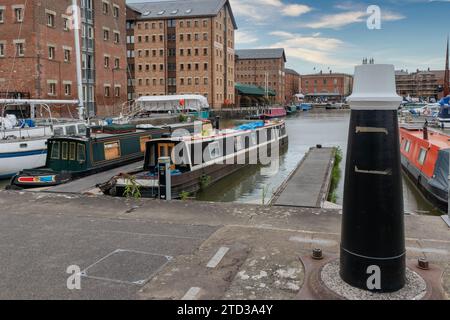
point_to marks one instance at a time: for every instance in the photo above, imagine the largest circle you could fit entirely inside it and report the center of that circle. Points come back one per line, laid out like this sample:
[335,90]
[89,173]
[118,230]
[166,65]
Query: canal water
[256,184]
[329,128]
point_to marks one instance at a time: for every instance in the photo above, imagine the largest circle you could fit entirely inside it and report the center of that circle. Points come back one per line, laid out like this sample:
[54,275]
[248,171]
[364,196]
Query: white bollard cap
[374,88]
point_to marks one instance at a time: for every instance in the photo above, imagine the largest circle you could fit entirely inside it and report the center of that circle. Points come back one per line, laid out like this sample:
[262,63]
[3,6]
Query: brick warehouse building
[261,67]
[182,47]
[37,55]
[292,84]
[326,86]
[420,84]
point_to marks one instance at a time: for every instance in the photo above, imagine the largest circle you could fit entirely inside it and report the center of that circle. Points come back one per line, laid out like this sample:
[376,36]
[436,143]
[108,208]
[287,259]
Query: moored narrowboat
[290,110]
[201,160]
[273,113]
[73,157]
[425,158]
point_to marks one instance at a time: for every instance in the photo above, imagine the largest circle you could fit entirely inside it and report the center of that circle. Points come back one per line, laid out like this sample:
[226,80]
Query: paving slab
[150,249]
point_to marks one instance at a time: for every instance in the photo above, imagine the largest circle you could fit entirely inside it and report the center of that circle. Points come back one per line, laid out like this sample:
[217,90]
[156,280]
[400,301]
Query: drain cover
[127,266]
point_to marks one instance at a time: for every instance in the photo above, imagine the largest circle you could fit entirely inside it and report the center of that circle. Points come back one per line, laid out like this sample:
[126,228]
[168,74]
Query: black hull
[437,197]
[189,182]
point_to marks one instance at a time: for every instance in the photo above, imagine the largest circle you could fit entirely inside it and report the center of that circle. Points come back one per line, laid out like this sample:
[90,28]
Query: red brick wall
[326,83]
[32,72]
[107,106]
[292,86]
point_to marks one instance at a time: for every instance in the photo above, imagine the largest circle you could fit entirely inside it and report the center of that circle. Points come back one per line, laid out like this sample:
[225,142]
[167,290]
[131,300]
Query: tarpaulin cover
[440,179]
[251,126]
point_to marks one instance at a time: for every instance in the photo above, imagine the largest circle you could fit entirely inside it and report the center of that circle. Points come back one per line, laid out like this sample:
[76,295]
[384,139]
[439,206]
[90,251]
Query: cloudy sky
[324,34]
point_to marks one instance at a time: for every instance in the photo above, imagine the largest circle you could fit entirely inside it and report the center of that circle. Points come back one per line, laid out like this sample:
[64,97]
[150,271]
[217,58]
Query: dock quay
[88,184]
[309,183]
[150,249]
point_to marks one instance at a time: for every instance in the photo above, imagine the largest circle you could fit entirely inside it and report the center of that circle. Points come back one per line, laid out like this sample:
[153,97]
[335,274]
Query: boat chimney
[217,123]
[425,130]
[372,237]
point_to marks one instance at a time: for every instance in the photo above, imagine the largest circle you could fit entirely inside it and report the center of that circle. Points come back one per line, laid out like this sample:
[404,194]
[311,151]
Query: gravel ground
[415,288]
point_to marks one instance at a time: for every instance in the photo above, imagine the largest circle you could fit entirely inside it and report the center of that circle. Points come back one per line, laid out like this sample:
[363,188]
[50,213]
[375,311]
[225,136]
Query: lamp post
[372,239]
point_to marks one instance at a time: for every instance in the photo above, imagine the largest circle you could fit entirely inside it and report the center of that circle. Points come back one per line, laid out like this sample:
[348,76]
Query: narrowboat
[305,107]
[292,109]
[198,161]
[273,113]
[73,157]
[425,159]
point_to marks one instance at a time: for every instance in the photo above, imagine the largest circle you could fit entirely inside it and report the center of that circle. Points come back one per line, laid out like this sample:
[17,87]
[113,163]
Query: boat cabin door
[71,158]
[166,150]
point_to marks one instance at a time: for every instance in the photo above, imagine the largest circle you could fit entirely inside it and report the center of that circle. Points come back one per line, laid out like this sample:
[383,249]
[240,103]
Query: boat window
[238,143]
[112,150]
[64,150]
[71,130]
[72,151]
[254,138]
[55,150]
[214,150]
[422,156]
[82,129]
[59,131]
[144,140]
[166,150]
[407,146]
[81,152]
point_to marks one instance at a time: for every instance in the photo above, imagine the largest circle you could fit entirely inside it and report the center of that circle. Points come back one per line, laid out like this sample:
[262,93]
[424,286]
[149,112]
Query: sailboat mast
[76,31]
[447,74]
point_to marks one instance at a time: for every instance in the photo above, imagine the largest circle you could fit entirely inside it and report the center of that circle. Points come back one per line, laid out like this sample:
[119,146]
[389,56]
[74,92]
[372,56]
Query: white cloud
[295,10]
[338,20]
[266,10]
[245,37]
[312,48]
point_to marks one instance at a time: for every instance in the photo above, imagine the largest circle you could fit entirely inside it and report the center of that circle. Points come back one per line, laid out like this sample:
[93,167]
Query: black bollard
[372,240]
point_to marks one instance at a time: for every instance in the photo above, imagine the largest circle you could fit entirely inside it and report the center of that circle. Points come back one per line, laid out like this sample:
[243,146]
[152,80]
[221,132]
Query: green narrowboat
[70,158]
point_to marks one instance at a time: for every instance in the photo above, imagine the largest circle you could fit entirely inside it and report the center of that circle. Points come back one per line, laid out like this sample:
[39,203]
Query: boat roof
[175,98]
[173,102]
[105,135]
[439,139]
[217,134]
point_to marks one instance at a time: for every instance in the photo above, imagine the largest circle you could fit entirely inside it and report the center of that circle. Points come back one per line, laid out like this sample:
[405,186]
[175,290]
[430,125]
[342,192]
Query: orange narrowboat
[425,158]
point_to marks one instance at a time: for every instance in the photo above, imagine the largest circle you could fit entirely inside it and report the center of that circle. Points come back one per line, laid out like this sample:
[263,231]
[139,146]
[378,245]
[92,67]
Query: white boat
[191,104]
[24,146]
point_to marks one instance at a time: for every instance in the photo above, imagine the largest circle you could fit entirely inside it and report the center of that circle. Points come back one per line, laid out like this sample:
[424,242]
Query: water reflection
[306,129]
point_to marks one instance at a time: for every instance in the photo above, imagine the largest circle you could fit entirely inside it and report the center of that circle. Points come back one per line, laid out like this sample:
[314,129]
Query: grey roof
[180,9]
[290,71]
[261,54]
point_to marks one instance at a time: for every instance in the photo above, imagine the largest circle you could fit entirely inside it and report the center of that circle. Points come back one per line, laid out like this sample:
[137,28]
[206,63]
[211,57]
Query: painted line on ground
[428,250]
[214,262]
[323,242]
[192,294]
